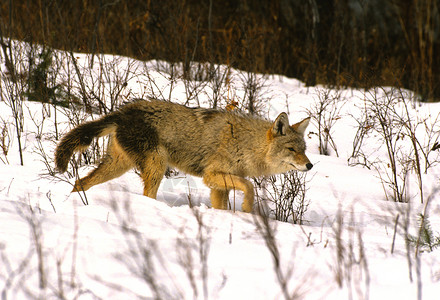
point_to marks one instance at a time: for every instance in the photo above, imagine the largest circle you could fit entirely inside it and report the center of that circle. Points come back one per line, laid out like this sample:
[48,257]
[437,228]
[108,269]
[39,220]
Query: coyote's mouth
[304,169]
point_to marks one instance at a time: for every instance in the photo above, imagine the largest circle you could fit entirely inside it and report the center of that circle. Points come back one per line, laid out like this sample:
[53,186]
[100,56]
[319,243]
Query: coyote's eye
[291,149]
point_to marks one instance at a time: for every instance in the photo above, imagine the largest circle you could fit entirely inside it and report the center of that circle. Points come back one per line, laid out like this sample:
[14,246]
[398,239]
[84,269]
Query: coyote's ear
[280,125]
[300,127]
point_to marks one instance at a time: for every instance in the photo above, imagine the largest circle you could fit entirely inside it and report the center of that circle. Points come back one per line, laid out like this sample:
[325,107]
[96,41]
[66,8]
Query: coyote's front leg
[219,198]
[220,181]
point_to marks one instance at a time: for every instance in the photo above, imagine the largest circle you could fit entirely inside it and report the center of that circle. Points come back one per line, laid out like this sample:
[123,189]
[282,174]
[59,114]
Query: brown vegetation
[341,43]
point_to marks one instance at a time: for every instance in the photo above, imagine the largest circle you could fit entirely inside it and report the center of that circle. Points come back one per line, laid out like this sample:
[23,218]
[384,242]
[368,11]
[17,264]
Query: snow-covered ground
[123,245]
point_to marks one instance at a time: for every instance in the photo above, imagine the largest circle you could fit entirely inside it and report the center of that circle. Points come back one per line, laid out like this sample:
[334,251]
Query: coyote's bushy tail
[80,138]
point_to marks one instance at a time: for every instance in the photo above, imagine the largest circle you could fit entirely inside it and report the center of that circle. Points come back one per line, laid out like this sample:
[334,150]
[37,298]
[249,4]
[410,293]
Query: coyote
[221,147]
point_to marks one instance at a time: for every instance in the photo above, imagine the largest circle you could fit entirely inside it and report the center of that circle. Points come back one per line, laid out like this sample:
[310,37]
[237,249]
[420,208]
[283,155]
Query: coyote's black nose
[309,166]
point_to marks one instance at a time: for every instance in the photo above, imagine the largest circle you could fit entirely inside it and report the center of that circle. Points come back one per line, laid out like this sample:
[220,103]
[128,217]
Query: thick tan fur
[220,146]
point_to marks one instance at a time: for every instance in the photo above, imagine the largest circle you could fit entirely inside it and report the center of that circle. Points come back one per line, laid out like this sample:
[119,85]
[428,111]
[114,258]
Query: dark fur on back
[136,132]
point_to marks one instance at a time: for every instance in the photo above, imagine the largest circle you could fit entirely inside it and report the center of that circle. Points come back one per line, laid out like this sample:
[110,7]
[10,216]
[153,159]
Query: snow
[122,244]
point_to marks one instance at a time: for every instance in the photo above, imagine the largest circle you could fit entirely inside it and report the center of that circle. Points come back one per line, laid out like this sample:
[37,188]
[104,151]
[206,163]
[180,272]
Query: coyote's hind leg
[152,169]
[115,163]
[219,198]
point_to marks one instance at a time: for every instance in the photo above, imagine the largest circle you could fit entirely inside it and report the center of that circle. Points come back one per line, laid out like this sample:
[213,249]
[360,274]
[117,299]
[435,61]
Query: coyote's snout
[220,146]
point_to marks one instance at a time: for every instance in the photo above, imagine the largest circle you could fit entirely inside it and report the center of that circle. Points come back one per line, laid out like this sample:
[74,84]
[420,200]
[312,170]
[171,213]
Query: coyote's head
[286,146]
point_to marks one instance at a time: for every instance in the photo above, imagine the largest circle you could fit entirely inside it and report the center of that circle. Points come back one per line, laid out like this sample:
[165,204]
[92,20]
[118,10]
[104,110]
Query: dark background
[358,43]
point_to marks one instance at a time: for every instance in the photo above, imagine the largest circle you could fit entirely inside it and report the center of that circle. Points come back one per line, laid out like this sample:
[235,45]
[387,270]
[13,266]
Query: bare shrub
[266,227]
[253,86]
[326,112]
[5,140]
[102,83]
[42,136]
[219,86]
[143,257]
[408,140]
[285,196]
[14,83]
[193,255]
[52,281]
[145,260]
[402,227]
[351,264]
[380,109]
